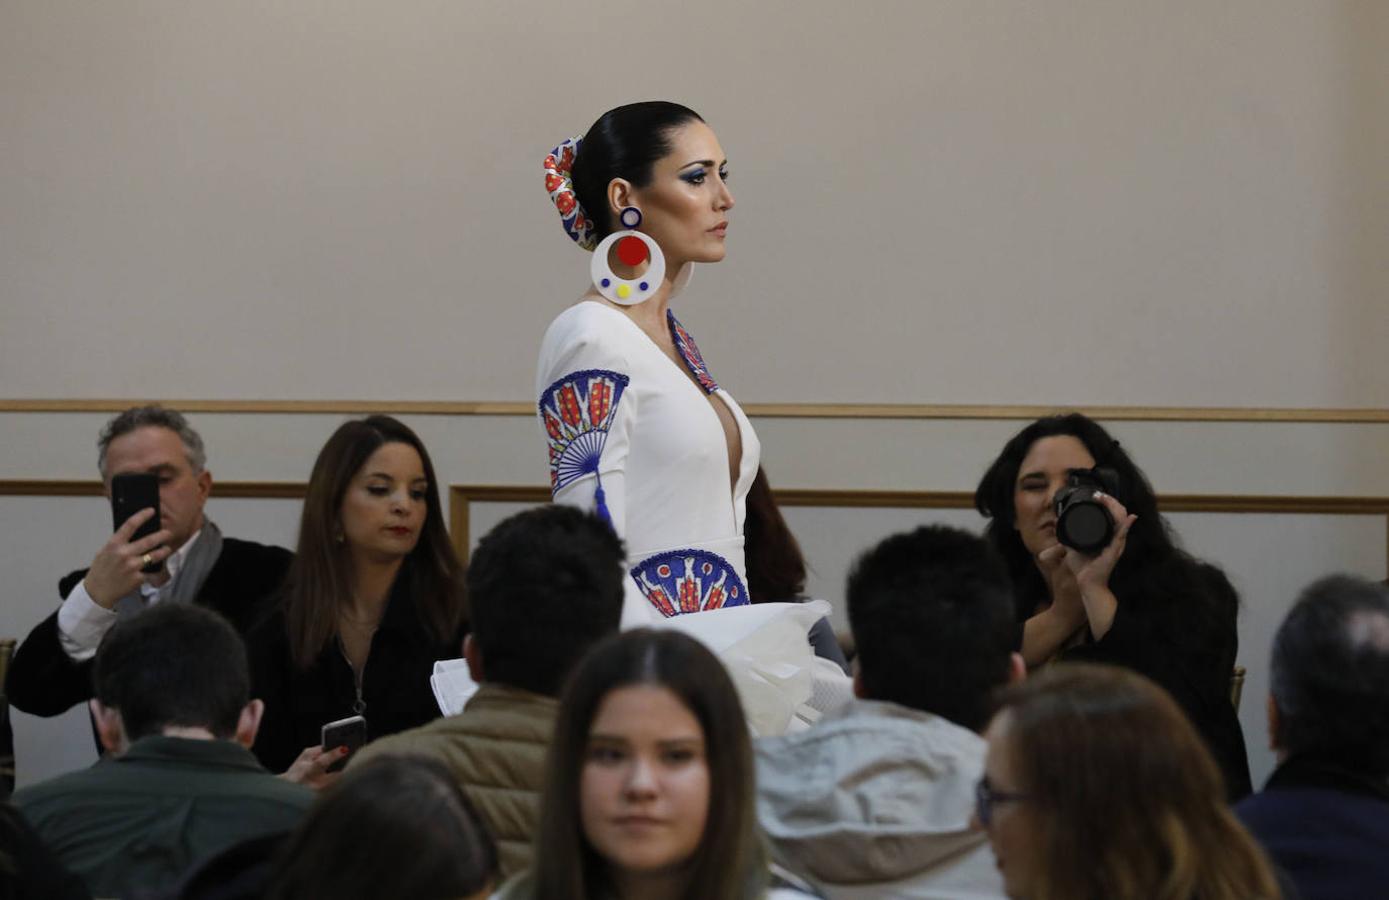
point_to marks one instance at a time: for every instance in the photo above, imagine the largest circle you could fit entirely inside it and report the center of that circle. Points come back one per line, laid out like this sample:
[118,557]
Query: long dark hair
[399,826]
[731,861]
[775,564]
[625,142]
[1151,559]
[1128,803]
[320,578]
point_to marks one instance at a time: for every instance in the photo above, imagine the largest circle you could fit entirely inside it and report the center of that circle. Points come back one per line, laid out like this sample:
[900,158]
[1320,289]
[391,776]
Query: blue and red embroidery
[686,581]
[578,411]
[689,352]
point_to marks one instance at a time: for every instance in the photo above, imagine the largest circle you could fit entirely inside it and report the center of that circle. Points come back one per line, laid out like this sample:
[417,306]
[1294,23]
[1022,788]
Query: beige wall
[964,201]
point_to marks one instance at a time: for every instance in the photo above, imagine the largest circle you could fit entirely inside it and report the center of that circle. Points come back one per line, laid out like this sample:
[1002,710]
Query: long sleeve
[43,680]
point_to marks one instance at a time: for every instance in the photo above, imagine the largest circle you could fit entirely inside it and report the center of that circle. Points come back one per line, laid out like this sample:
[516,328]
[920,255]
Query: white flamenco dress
[633,437]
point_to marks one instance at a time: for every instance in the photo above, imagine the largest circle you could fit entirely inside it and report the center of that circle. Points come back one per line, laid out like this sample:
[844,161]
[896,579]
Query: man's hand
[311,767]
[115,570]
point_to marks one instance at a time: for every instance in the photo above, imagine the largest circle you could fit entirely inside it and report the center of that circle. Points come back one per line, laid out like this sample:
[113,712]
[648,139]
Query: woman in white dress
[638,429]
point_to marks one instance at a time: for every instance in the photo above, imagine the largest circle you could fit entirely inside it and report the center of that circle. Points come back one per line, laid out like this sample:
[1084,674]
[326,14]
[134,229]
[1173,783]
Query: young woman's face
[1012,825]
[644,787]
[384,509]
[685,207]
[1042,473]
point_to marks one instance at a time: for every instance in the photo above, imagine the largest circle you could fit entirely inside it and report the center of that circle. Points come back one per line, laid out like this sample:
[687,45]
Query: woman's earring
[633,249]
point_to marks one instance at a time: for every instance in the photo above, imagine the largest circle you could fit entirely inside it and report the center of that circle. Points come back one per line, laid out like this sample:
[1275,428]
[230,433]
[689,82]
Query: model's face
[685,207]
[384,508]
[1042,473]
[644,787]
[155,450]
[1012,826]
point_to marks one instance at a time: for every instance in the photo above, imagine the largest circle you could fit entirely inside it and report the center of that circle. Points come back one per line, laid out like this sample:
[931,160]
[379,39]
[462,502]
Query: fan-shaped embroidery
[685,581]
[578,411]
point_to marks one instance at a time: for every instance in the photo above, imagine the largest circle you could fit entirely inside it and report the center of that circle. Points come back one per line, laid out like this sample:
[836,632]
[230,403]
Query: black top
[396,694]
[1188,647]
[44,681]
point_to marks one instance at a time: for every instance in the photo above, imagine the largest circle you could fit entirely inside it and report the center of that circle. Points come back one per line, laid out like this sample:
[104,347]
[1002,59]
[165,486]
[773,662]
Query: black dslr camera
[1082,522]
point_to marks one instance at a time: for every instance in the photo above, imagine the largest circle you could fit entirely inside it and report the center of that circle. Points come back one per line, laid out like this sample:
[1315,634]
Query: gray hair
[154,416]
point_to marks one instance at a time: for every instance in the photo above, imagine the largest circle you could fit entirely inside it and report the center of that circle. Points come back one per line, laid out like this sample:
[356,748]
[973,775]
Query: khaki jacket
[496,749]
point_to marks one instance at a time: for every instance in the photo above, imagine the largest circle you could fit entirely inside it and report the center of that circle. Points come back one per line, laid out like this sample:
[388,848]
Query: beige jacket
[496,749]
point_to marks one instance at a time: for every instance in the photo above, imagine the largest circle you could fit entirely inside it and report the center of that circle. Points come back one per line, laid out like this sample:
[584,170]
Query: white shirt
[621,415]
[82,622]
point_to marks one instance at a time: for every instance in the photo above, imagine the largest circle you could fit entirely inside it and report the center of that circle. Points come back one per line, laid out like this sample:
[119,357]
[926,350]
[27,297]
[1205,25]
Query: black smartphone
[350,733]
[131,493]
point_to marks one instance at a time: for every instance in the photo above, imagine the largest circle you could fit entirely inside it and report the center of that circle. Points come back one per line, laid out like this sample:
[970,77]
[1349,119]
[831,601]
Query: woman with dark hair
[399,826]
[1139,602]
[1096,787]
[776,566]
[637,428]
[650,786]
[373,599]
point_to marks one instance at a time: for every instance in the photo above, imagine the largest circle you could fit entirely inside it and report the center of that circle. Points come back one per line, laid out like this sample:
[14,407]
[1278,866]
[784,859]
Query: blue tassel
[600,501]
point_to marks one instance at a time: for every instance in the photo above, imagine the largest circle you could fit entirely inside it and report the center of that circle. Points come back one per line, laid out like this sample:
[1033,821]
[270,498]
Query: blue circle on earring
[630,217]
[643,285]
[606,282]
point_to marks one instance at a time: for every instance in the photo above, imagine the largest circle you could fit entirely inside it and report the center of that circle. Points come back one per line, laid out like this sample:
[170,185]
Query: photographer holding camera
[1098,578]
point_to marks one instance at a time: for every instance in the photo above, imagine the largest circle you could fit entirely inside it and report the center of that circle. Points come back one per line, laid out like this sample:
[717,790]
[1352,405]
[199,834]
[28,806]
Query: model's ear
[621,194]
[110,728]
[472,653]
[249,723]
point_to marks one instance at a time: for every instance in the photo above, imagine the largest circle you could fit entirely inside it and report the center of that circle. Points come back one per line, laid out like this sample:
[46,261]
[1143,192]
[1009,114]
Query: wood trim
[901,411]
[462,496]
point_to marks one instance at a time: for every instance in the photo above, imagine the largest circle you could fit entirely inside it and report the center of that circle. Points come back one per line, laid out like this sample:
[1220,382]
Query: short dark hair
[1329,673]
[544,586]
[174,664]
[625,142]
[932,616]
[152,416]
[423,838]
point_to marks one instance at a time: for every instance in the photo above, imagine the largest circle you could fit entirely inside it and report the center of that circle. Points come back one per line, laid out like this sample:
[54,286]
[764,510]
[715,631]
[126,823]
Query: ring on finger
[147,559]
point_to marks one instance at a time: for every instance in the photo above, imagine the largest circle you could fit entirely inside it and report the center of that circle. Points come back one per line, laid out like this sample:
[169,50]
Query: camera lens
[1086,526]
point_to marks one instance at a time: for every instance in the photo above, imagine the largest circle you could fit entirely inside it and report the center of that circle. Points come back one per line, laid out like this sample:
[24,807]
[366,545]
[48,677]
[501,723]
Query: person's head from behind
[1329,697]
[174,669]
[775,565]
[650,777]
[544,586]
[398,826]
[1018,490]
[933,621]
[372,499]
[1096,785]
[661,158]
[153,440]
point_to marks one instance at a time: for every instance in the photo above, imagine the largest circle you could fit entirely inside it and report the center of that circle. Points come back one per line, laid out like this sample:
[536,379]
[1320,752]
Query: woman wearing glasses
[1096,786]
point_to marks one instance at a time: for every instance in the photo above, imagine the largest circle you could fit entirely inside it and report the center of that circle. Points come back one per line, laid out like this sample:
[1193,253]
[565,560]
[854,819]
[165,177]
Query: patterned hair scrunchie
[559,166]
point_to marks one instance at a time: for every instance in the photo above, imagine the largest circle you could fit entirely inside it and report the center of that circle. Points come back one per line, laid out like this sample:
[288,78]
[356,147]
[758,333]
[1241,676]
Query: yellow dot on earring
[624,291]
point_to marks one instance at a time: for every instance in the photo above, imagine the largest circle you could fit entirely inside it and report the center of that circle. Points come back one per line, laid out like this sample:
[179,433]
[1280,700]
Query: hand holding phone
[131,493]
[116,570]
[350,733]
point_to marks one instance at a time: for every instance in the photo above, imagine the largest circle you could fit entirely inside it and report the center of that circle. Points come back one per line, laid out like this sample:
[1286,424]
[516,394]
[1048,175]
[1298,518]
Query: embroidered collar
[689,352]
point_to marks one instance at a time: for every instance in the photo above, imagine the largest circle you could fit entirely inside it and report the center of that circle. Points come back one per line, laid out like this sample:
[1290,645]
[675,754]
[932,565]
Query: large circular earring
[633,249]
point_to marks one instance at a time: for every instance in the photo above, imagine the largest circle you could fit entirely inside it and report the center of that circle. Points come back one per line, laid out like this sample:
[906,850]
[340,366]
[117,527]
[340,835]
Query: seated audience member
[875,800]
[28,869]
[396,827]
[1324,814]
[1097,786]
[178,783]
[1139,601]
[373,600]
[650,782]
[776,567]
[51,672]
[543,587]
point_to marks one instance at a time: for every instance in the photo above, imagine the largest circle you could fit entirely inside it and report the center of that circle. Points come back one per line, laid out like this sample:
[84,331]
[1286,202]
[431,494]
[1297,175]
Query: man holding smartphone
[186,560]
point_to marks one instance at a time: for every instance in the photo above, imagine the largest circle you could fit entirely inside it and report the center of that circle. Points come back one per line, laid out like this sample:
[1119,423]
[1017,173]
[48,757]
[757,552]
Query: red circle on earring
[632,251]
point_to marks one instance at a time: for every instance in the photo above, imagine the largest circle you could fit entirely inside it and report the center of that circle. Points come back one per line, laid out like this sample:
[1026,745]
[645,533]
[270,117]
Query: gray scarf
[186,584]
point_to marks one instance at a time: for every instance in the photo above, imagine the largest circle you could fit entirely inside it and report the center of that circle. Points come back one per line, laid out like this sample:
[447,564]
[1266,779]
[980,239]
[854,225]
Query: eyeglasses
[985,798]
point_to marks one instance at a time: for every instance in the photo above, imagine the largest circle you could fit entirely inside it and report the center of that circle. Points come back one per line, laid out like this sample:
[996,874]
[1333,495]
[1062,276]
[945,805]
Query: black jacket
[395,682]
[44,681]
